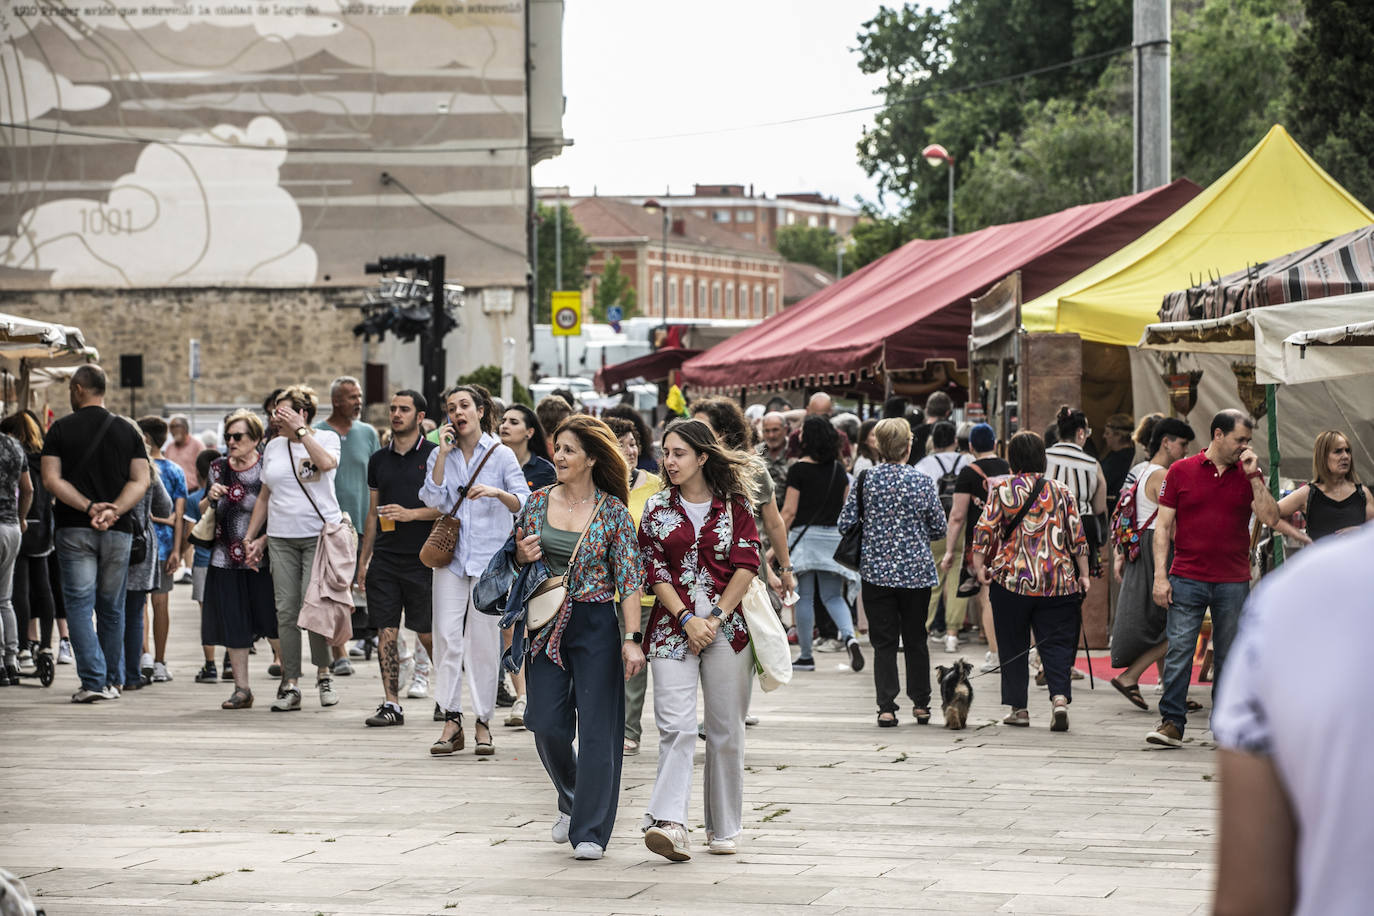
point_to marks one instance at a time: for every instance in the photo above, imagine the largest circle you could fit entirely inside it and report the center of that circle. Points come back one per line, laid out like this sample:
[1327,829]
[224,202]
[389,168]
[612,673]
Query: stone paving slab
[161,803]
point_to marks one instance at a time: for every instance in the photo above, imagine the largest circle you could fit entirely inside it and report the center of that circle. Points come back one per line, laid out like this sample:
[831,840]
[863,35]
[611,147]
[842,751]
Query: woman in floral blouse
[701,549]
[1037,572]
[578,662]
[901,516]
[240,606]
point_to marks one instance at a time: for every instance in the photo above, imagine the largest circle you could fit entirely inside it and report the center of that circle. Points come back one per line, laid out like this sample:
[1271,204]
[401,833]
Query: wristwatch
[302,432]
[716,611]
[636,637]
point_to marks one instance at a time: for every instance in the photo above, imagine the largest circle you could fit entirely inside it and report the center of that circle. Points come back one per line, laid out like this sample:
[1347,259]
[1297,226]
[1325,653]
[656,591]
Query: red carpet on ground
[1102,668]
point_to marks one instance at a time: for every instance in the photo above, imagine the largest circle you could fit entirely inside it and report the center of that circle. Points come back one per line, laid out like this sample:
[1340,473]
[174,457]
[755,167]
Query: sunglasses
[235,437]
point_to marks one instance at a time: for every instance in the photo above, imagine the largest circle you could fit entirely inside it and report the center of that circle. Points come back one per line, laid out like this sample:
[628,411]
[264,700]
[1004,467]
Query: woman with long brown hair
[701,550]
[1335,501]
[578,662]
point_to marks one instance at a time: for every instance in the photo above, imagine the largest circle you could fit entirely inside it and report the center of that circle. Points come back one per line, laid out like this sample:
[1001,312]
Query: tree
[489,377]
[577,251]
[814,245]
[876,235]
[1333,92]
[613,289]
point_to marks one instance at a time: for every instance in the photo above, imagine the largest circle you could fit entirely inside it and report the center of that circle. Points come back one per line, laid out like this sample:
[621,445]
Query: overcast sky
[636,70]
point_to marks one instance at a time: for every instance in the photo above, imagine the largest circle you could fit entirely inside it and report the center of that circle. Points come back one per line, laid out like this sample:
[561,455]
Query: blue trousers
[586,700]
[1191,600]
[95,568]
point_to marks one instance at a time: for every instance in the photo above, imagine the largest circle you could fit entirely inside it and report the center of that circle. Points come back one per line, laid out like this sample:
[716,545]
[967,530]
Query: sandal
[241,698]
[484,748]
[1130,692]
[453,742]
[887,720]
[922,714]
[1194,706]
[631,747]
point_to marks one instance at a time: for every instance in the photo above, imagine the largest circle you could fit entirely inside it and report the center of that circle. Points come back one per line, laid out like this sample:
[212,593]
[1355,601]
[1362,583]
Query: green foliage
[613,289]
[1333,92]
[814,245]
[489,377]
[876,235]
[577,251]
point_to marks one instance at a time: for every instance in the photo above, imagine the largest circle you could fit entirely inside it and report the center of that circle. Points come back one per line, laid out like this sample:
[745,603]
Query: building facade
[226,174]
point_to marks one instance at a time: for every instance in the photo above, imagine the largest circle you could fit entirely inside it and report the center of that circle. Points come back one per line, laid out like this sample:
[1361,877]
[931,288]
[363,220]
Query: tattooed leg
[389,657]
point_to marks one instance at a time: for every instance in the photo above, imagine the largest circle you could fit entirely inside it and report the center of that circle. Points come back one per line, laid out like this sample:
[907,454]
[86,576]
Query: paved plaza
[161,803]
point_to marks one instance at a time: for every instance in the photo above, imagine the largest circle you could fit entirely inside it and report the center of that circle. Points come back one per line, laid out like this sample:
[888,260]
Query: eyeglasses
[235,437]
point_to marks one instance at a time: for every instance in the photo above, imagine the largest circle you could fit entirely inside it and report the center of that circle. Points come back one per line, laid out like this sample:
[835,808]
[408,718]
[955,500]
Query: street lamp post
[651,206]
[935,154]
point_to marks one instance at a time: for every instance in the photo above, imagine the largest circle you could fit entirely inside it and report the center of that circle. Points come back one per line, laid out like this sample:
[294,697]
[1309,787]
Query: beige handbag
[548,598]
[442,542]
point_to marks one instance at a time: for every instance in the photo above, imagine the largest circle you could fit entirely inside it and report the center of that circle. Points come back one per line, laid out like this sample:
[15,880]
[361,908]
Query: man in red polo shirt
[1204,510]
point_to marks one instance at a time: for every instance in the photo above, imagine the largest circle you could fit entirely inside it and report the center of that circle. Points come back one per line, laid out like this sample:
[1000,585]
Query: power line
[388,179]
[260,147]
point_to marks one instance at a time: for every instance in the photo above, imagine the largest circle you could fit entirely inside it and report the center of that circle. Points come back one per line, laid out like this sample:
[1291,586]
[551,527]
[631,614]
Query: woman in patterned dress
[578,662]
[239,603]
[701,550]
[1037,573]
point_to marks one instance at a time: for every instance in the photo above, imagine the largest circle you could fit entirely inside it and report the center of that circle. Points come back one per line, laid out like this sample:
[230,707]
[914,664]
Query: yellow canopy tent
[1274,201]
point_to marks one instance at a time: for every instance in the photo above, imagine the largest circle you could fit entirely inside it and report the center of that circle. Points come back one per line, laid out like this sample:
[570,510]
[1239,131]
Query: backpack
[944,484]
[1124,534]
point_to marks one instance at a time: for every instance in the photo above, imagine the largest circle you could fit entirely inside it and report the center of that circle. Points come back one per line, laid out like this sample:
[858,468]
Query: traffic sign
[567,313]
[615,313]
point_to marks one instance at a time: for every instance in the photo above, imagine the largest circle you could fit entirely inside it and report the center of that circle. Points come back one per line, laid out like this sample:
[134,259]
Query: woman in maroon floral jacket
[701,550]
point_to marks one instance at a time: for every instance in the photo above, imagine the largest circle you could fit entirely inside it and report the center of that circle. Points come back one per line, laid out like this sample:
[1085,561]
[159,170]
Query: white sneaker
[183,576]
[588,851]
[64,652]
[751,719]
[419,687]
[88,696]
[990,662]
[669,841]
[559,833]
[160,673]
[829,645]
[516,719]
[718,847]
[145,664]
[111,692]
[951,644]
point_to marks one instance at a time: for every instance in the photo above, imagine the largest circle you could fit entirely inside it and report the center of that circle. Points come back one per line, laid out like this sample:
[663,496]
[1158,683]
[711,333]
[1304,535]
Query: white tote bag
[767,638]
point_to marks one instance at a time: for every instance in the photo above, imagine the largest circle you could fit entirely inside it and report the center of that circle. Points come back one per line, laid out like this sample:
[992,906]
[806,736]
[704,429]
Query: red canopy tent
[651,367]
[913,304]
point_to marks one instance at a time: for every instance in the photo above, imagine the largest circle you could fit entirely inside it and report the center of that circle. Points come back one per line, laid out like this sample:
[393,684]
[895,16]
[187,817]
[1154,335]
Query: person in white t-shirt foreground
[1296,831]
[296,501]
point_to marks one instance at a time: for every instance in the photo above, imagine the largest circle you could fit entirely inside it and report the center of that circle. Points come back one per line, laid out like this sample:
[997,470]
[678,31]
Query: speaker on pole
[131,370]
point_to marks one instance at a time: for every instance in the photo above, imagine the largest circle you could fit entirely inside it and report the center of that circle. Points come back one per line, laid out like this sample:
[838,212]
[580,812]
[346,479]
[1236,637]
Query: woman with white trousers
[470,459]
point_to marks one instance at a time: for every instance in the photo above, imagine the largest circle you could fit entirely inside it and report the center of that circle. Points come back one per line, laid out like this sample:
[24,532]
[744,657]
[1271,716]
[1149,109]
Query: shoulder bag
[767,637]
[443,537]
[548,598]
[851,539]
[203,532]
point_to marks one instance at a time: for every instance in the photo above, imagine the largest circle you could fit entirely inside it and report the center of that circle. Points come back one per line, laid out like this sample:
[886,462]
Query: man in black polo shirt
[389,567]
[96,468]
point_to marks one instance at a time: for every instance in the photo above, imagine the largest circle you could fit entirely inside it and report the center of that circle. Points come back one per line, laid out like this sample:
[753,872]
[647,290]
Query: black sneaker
[805,663]
[504,698]
[386,715]
[207,674]
[856,656]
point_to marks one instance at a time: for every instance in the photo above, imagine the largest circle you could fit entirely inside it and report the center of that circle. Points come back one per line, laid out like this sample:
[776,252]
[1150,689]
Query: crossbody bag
[543,606]
[443,536]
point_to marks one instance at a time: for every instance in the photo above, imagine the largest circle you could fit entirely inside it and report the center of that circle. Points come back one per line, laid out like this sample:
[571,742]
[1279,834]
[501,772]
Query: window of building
[744,216]
[758,301]
[687,287]
[812,221]
[830,223]
[772,299]
[729,300]
[672,295]
[791,218]
[701,300]
[720,216]
[699,213]
[715,300]
[658,294]
[747,235]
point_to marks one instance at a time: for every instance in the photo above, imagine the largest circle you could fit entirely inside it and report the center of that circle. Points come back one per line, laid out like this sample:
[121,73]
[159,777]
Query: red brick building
[712,271]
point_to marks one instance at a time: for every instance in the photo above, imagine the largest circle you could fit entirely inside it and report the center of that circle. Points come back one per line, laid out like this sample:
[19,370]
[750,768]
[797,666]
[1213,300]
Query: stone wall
[252,340]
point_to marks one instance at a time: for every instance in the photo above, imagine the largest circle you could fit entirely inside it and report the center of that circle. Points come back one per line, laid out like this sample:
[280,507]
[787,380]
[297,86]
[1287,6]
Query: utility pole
[1153,120]
[437,367]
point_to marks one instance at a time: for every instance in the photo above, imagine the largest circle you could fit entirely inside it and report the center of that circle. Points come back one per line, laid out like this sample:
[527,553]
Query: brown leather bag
[443,537]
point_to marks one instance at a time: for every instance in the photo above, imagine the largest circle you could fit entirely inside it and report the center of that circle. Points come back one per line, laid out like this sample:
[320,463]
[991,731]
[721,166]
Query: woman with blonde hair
[701,550]
[239,598]
[1335,501]
[295,502]
[578,662]
[901,515]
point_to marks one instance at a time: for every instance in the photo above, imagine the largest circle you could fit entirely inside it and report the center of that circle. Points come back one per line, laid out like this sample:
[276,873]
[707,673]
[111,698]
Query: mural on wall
[242,143]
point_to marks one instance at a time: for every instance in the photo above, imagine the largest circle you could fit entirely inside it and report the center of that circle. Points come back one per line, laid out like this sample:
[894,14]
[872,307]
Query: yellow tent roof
[1274,201]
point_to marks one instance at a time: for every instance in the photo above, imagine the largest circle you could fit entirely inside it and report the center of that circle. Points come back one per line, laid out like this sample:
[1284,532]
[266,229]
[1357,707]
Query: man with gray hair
[358,440]
[772,448]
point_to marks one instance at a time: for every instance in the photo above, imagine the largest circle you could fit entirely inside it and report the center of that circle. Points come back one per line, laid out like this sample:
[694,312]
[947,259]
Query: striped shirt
[1067,463]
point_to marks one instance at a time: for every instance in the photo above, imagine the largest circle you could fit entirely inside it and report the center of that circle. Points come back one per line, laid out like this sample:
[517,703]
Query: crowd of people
[635,548]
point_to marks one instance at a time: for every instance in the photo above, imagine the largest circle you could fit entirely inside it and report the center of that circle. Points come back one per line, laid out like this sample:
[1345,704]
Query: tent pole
[1271,412]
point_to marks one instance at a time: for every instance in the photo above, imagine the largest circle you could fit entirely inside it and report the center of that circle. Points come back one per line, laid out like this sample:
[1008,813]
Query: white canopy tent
[27,345]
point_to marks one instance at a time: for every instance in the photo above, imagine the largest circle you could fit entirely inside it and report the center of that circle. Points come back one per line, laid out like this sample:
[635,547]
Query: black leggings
[33,597]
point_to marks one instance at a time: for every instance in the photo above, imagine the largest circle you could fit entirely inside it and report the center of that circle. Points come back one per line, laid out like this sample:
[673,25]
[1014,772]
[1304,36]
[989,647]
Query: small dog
[956,693]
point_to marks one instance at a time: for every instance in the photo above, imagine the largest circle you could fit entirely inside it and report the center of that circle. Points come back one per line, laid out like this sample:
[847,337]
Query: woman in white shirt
[296,501]
[470,459]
